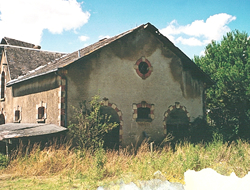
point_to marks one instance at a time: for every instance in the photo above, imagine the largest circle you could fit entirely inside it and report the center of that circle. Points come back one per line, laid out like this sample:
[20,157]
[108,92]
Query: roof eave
[16,81]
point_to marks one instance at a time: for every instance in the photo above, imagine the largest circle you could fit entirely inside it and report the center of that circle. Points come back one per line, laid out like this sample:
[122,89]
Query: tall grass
[102,167]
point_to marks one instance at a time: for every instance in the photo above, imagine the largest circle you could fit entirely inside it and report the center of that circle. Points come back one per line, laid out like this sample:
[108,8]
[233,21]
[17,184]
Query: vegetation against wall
[89,125]
[228,64]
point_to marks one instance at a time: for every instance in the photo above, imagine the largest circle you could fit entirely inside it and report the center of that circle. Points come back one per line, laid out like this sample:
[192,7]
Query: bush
[90,126]
[3,161]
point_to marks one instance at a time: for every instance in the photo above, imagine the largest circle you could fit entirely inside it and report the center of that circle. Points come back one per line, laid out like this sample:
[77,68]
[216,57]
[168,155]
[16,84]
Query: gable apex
[79,54]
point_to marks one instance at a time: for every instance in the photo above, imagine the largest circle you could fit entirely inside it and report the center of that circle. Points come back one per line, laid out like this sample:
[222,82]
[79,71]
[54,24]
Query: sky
[69,25]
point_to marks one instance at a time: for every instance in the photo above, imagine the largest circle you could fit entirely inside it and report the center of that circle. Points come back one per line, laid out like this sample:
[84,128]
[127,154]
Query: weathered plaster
[110,72]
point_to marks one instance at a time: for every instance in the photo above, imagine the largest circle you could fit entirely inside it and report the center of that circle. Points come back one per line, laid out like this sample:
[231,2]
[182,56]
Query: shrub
[3,161]
[90,125]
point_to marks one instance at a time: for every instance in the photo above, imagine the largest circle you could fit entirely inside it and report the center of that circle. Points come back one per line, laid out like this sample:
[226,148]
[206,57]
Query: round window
[143,68]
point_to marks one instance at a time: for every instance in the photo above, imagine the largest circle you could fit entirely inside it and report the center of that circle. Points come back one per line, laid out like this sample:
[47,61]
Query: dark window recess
[17,115]
[41,113]
[143,68]
[2,84]
[2,119]
[143,114]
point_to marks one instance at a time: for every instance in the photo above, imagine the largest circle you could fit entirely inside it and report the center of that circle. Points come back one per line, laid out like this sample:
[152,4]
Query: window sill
[2,99]
[17,121]
[40,120]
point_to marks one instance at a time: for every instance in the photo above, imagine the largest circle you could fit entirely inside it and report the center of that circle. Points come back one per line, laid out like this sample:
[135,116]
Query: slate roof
[14,42]
[23,60]
[70,58]
[18,130]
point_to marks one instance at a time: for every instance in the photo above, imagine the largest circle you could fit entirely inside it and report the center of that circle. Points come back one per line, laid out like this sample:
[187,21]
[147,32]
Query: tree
[228,64]
[90,126]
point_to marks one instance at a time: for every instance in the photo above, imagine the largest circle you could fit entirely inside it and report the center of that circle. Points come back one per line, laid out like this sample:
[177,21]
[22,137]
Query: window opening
[17,115]
[41,113]
[2,84]
[176,121]
[2,119]
[143,68]
[143,112]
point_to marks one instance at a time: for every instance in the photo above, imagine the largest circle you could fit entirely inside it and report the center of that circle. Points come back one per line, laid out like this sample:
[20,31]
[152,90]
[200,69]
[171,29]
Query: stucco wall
[6,102]
[110,72]
[27,97]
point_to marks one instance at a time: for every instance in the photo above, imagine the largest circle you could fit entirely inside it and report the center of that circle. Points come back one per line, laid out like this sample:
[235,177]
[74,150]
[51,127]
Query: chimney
[37,47]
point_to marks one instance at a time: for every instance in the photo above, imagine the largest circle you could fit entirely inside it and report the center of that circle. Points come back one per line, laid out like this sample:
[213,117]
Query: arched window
[176,121]
[111,139]
[2,84]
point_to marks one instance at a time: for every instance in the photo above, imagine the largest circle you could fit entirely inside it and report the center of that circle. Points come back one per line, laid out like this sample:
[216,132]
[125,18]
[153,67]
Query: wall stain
[135,45]
[190,87]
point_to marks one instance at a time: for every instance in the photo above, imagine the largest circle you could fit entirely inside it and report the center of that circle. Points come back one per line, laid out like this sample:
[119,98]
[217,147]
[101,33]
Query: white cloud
[189,41]
[83,38]
[26,19]
[199,32]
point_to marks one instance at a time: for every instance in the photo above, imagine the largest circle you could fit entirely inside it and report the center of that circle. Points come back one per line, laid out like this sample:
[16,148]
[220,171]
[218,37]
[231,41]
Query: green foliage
[90,126]
[3,161]
[100,162]
[228,64]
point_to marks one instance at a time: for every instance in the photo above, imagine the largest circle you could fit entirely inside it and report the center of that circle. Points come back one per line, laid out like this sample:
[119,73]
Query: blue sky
[69,25]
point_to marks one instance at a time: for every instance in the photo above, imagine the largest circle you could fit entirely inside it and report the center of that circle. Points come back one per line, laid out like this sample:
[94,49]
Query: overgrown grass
[61,167]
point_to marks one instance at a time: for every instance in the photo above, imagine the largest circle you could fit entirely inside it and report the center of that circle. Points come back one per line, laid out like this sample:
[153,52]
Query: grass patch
[64,168]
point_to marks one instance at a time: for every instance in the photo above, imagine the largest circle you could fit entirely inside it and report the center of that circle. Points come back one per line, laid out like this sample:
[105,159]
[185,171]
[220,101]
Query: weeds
[3,161]
[83,168]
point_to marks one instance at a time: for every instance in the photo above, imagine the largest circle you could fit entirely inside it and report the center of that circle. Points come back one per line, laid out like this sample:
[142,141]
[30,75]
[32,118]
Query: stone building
[146,83]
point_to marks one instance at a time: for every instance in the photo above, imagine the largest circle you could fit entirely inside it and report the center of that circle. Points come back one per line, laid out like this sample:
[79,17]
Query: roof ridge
[72,56]
[21,47]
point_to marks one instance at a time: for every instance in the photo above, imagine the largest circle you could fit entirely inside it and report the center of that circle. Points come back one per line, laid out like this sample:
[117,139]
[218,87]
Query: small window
[17,115]
[41,113]
[2,85]
[143,112]
[2,119]
[143,68]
